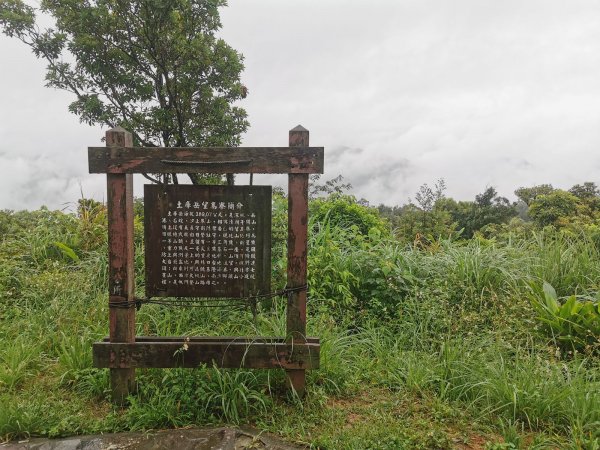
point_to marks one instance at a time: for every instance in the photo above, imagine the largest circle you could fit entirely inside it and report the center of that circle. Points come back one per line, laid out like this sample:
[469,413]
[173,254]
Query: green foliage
[476,273]
[571,211]
[437,217]
[176,397]
[427,197]
[575,323]
[549,209]
[74,356]
[585,191]
[429,346]
[92,224]
[17,361]
[515,229]
[330,274]
[343,211]
[488,208]
[385,277]
[330,187]
[568,262]
[424,222]
[279,236]
[420,227]
[233,395]
[527,195]
[156,68]
[67,252]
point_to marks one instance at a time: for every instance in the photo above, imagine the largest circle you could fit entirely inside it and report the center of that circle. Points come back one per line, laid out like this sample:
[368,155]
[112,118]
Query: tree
[427,196]
[423,222]
[589,194]
[550,209]
[585,191]
[527,195]
[488,208]
[493,208]
[334,186]
[154,67]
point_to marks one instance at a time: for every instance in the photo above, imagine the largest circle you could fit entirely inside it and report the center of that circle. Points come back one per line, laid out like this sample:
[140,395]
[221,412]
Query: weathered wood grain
[206,160]
[297,255]
[193,352]
[228,339]
[121,281]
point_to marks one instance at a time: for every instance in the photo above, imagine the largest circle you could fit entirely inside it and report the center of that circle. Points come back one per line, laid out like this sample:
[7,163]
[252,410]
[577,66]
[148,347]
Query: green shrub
[17,362]
[575,323]
[343,211]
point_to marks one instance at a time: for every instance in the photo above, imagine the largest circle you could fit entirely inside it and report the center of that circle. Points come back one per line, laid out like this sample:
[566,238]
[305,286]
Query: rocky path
[180,439]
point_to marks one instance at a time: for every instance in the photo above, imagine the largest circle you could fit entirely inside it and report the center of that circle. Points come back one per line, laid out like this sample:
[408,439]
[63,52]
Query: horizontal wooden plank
[244,339]
[193,353]
[205,159]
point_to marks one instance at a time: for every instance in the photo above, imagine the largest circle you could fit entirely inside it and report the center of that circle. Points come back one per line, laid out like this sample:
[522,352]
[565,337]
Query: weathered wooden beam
[228,339]
[179,352]
[121,283]
[304,160]
[297,255]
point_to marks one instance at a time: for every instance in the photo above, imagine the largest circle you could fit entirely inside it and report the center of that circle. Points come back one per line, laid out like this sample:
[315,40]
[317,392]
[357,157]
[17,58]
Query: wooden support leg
[122,383]
[121,264]
[297,257]
[297,381]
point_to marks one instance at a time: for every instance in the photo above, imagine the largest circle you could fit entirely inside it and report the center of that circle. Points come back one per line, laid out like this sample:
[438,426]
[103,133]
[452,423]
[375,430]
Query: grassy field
[421,348]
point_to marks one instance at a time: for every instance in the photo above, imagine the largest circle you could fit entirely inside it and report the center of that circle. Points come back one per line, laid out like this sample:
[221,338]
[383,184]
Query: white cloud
[478,92]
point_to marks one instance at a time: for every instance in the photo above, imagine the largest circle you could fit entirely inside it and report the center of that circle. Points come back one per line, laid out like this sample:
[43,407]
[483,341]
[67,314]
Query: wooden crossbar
[235,352]
[296,160]
[229,339]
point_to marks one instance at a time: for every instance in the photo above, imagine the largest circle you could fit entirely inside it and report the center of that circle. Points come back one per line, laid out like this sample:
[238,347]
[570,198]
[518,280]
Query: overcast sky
[399,92]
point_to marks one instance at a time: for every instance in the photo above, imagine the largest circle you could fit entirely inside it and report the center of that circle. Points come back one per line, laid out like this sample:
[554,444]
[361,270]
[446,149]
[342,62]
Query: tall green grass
[569,263]
[450,323]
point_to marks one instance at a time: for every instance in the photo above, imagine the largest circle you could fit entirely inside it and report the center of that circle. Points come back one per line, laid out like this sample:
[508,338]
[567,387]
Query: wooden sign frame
[122,352]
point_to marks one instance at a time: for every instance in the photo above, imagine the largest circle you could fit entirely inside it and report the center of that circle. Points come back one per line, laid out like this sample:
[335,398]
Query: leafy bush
[575,323]
[549,209]
[343,211]
[330,275]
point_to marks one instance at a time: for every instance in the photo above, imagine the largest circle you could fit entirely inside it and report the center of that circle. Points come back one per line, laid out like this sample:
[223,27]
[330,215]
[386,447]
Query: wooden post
[297,253]
[121,282]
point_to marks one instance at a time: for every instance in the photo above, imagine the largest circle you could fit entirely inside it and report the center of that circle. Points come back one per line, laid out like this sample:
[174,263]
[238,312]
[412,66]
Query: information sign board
[207,241]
